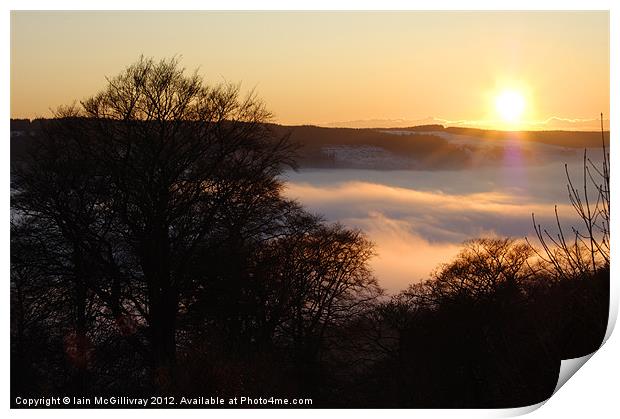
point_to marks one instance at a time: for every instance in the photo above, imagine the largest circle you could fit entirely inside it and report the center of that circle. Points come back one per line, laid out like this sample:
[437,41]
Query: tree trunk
[163,304]
[162,327]
[78,345]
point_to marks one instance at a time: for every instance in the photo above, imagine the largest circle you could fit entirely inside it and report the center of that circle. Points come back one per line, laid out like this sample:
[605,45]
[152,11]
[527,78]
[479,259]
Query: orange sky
[334,67]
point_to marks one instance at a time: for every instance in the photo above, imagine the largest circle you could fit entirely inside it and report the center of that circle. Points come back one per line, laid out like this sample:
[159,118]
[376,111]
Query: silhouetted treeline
[152,252]
[485,331]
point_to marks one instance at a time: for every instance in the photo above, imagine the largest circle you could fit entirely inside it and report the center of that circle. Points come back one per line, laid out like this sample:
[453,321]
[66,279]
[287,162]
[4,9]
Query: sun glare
[510,105]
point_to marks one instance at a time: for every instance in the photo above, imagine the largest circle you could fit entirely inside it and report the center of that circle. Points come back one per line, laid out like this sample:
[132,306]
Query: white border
[593,393]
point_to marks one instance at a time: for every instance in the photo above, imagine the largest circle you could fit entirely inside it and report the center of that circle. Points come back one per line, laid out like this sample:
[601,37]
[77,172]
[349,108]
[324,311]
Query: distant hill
[371,148]
[573,139]
[384,123]
[427,147]
[550,124]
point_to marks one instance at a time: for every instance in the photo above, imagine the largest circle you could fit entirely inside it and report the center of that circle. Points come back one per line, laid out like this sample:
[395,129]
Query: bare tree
[586,249]
[136,177]
[483,268]
[326,281]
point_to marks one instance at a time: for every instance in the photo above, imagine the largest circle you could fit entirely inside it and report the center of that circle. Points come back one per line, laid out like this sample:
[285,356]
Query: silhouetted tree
[484,268]
[587,249]
[328,278]
[150,219]
[466,337]
[136,177]
[578,262]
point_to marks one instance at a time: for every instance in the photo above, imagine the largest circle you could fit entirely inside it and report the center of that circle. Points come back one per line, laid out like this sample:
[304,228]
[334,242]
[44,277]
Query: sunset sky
[491,69]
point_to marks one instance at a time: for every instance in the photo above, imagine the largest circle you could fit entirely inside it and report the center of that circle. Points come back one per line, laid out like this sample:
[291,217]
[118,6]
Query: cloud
[403,257]
[414,230]
[434,215]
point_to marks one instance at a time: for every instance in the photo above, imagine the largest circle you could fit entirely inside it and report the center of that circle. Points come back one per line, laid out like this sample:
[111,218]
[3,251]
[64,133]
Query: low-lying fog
[418,219]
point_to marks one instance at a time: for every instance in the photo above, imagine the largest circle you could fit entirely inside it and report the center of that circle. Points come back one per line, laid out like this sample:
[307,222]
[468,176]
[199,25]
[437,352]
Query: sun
[510,105]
